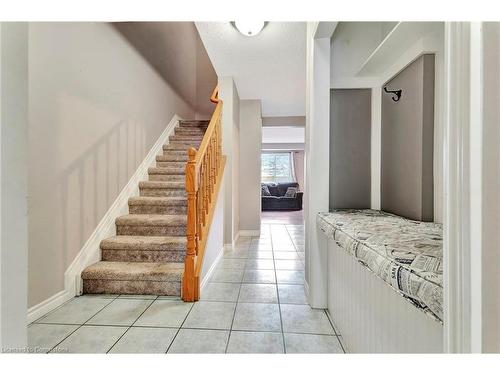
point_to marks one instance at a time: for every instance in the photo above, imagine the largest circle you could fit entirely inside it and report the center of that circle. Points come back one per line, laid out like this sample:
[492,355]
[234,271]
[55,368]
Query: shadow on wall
[66,207]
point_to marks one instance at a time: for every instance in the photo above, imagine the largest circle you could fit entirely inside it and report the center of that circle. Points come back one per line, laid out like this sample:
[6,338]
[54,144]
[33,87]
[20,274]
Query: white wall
[351,45]
[250,149]
[283,134]
[230,147]
[96,109]
[215,239]
[14,183]
[317,162]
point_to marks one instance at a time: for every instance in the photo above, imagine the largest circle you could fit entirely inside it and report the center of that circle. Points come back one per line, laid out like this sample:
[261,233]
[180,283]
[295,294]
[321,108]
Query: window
[276,167]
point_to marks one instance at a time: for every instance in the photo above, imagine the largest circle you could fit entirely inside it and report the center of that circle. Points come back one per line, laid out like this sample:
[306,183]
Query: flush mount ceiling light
[249,28]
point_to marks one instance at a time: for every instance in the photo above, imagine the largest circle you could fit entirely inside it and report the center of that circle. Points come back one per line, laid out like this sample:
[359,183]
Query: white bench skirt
[370,316]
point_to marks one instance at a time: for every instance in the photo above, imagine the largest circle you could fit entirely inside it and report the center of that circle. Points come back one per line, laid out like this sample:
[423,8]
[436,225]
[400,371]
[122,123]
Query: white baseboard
[212,268]
[249,233]
[39,310]
[91,252]
[306,291]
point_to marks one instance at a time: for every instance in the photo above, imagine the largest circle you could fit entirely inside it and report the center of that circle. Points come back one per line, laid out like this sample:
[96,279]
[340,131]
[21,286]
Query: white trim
[476,185]
[463,188]
[236,238]
[248,233]
[228,247]
[48,305]
[90,252]
[211,270]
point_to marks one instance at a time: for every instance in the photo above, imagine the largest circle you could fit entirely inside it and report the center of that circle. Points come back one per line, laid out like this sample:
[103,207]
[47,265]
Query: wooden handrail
[215,95]
[204,170]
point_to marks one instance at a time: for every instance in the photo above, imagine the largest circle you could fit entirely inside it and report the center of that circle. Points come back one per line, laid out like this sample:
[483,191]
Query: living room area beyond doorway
[282,174]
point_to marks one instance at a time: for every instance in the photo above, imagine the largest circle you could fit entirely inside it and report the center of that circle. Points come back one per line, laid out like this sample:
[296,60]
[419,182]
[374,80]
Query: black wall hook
[397,93]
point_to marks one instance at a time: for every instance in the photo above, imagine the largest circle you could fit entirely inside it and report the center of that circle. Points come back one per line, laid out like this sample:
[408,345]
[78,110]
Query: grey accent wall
[408,142]
[350,145]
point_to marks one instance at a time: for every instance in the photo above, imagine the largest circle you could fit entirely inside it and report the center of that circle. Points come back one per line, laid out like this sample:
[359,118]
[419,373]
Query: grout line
[119,338]
[234,315]
[278,296]
[179,328]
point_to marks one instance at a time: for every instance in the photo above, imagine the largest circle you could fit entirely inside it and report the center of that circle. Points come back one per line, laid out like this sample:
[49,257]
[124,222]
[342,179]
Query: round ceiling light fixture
[249,28]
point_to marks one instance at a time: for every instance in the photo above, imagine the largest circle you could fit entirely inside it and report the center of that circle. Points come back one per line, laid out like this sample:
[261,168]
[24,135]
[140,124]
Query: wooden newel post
[189,284]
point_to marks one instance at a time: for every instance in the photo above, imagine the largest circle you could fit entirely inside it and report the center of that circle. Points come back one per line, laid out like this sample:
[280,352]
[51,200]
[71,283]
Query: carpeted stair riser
[171,164]
[159,192]
[189,132]
[193,124]
[159,288]
[185,138]
[166,177]
[178,207]
[180,147]
[173,158]
[143,256]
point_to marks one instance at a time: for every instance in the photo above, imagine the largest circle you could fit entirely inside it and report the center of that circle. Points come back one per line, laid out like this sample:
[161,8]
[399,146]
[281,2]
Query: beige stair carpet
[147,254]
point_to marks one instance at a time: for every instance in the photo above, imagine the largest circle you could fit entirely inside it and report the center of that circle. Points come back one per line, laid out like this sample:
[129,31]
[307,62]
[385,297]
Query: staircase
[147,254]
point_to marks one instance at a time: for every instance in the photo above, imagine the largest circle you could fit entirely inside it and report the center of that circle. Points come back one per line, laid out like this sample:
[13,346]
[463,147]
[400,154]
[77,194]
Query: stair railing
[204,171]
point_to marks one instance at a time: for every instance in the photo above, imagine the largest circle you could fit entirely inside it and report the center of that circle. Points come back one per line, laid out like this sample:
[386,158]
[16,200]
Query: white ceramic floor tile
[259,276]
[264,293]
[90,339]
[226,275]
[222,292]
[290,277]
[200,341]
[257,317]
[301,343]
[164,313]
[289,265]
[286,255]
[137,296]
[232,263]
[255,254]
[145,340]
[292,294]
[259,264]
[304,319]
[76,311]
[255,342]
[120,312]
[43,337]
[210,315]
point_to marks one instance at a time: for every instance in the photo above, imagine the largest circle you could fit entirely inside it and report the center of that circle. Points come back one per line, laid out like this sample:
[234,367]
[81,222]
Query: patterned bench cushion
[406,254]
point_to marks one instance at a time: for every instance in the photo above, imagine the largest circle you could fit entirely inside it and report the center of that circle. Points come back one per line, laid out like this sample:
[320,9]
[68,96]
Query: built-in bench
[406,255]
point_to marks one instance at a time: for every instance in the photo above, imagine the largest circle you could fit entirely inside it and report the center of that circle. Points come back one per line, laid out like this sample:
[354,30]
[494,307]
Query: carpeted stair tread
[145,243]
[162,185]
[182,158]
[157,201]
[179,146]
[171,164]
[132,220]
[134,271]
[186,138]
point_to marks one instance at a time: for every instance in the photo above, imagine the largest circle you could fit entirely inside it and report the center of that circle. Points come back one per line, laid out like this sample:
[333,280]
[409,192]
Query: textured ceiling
[270,66]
